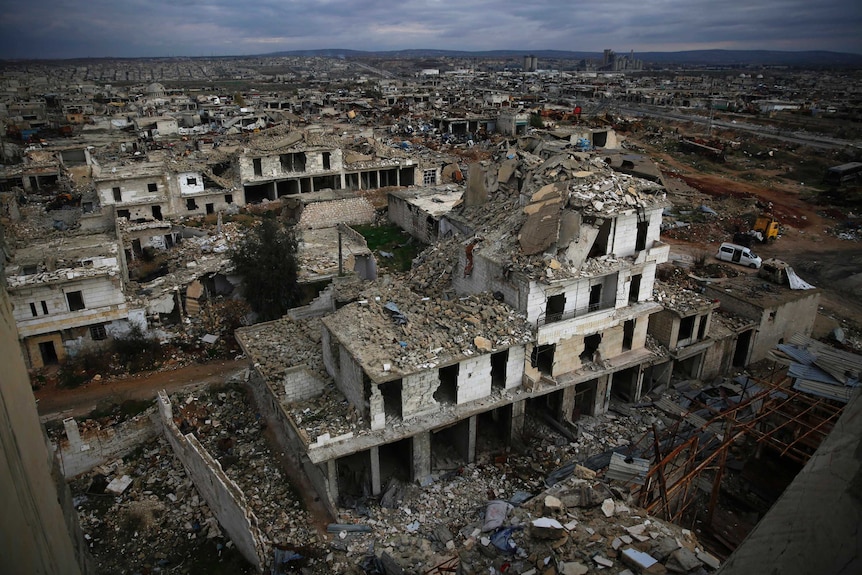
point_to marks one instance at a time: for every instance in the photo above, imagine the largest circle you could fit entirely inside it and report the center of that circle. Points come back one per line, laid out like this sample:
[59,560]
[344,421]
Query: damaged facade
[67,294]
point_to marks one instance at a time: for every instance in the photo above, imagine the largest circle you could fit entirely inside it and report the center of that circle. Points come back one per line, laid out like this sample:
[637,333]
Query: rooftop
[393,332]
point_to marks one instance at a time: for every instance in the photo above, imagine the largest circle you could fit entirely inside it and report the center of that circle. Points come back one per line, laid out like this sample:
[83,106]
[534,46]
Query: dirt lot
[54,402]
[746,185]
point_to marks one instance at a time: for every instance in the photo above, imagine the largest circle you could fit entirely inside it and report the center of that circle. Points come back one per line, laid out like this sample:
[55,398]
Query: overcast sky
[140,28]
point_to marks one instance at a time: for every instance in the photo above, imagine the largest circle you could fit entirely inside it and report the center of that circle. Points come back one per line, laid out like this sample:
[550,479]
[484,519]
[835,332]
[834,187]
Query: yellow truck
[767,226]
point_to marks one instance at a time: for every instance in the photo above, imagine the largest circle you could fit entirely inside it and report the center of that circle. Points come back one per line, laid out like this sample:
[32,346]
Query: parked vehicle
[767,226]
[737,254]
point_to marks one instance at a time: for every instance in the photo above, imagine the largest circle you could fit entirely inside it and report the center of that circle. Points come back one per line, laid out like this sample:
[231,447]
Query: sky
[153,28]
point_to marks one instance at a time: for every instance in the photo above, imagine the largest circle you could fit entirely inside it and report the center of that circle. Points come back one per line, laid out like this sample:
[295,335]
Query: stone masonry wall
[328,214]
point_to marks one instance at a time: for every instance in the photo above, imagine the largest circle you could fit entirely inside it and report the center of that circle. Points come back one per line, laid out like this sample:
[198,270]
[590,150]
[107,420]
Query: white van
[739,255]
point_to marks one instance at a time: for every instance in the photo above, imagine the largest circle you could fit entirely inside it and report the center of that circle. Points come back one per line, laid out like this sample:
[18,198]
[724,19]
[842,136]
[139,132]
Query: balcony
[545,318]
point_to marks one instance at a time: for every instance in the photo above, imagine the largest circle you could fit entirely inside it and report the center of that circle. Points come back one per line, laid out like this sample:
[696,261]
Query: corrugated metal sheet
[840,393]
[796,353]
[812,373]
[632,471]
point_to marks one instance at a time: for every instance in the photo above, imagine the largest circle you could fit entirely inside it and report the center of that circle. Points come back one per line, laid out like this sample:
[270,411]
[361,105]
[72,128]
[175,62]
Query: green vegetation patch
[390,239]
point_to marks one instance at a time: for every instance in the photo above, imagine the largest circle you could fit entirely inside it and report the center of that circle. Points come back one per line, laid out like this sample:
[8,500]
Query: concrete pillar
[471,439]
[273,191]
[421,456]
[332,480]
[603,394]
[374,453]
[567,405]
[465,438]
[519,408]
[639,384]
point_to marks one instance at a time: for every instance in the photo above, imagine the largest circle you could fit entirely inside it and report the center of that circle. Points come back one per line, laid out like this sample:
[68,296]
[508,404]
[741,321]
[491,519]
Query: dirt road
[55,403]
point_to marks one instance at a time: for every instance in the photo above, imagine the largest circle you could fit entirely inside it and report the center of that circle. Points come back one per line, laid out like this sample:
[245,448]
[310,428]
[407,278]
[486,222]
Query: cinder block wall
[224,497]
[474,378]
[81,453]
[300,384]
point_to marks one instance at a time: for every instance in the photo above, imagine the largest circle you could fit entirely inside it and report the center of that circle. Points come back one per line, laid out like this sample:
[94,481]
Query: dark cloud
[129,28]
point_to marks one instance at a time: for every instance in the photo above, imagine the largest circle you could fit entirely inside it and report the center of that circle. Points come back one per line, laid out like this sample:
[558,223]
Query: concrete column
[603,394]
[639,384]
[273,191]
[374,452]
[471,439]
[421,456]
[465,438]
[567,405]
[519,408]
[332,480]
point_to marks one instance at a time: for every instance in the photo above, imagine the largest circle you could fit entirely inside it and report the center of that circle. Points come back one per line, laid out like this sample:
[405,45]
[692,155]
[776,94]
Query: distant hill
[811,58]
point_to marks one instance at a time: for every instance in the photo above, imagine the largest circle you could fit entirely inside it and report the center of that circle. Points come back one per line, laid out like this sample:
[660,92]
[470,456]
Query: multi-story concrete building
[66,293]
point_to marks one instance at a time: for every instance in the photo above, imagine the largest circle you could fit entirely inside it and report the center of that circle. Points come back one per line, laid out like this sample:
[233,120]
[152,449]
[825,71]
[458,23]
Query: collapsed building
[563,272]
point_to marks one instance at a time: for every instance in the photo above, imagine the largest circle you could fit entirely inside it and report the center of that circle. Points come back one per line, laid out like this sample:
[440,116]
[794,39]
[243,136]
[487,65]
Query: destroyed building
[683,326]
[417,380]
[301,162]
[775,309]
[547,310]
[67,293]
[575,250]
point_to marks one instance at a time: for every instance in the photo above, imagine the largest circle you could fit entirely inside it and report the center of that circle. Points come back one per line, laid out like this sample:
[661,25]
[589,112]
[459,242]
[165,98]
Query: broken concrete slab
[119,484]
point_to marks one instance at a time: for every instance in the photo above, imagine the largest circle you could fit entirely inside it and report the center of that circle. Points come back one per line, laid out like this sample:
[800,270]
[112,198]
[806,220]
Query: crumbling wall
[79,453]
[300,384]
[417,393]
[289,438]
[328,214]
[323,304]
[567,354]
[717,358]
[474,378]
[780,324]
[475,274]
[350,382]
[223,496]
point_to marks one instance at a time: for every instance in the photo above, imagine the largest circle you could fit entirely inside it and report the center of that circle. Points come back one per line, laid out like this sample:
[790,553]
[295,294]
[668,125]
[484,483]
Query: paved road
[803,138]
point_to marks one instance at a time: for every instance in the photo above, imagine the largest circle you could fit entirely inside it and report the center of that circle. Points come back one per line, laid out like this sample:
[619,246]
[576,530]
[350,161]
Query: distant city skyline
[156,28]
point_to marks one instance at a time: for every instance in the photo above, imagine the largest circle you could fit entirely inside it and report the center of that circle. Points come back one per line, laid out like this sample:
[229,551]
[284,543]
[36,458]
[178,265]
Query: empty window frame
[152,188]
[686,328]
[75,300]
[429,177]
[118,194]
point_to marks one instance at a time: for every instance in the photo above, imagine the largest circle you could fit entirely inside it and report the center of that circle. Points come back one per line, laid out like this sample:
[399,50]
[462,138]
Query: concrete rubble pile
[496,516]
[431,274]
[142,513]
[678,298]
[277,346]
[226,424]
[429,331]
